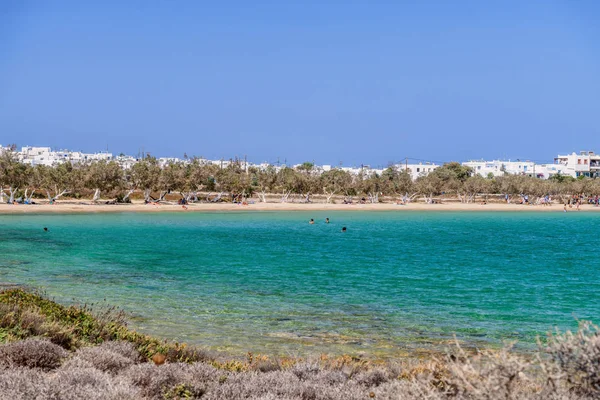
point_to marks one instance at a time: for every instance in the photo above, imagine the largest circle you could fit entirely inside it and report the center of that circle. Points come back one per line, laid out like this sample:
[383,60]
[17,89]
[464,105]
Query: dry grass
[107,365]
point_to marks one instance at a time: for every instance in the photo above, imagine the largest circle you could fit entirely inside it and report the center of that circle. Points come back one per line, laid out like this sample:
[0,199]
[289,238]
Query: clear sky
[351,81]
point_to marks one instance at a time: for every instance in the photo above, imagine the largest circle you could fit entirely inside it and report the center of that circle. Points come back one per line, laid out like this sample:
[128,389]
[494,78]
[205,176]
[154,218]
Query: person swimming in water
[326,220]
[45,229]
[344,229]
[312,221]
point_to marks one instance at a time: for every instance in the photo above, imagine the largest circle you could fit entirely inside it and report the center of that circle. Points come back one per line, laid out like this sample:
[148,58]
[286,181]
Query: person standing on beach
[565,208]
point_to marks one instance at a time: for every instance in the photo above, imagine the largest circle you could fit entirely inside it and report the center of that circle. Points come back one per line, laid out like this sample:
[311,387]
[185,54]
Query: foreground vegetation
[51,351]
[187,180]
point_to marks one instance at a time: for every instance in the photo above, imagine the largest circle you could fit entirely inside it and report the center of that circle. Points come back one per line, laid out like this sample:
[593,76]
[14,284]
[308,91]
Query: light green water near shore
[269,282]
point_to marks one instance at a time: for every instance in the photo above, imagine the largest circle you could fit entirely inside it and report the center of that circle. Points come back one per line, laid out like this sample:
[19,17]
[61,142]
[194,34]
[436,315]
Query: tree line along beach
[198,182]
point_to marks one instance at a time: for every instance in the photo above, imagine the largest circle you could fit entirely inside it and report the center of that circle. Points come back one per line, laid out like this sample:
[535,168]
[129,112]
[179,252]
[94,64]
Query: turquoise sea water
[269,282]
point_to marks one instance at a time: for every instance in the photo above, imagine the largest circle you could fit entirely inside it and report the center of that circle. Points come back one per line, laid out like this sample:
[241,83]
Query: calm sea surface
[269,282]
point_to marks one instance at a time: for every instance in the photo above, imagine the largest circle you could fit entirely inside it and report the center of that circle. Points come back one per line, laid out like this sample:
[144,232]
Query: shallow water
[269,282]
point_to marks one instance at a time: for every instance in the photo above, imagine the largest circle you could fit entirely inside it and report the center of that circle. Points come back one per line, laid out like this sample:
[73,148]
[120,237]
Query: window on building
[579,161]
[585,162]
[418,170]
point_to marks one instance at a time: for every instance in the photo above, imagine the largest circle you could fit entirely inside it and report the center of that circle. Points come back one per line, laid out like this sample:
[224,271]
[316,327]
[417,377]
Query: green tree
[286,182]
[333,182]
[265,180]
[59,180]
[369,183]
[234,180]
[473,186]
[460,172]
[13,174]
[202,175]
[397,182]
[103,176]
[144,175]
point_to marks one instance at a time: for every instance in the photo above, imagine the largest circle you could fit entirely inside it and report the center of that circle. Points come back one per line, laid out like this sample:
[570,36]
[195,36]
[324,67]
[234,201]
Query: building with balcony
[586,163]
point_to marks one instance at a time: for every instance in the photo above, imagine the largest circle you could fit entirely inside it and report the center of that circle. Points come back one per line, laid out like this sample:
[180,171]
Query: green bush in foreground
[57,352]
[25,314]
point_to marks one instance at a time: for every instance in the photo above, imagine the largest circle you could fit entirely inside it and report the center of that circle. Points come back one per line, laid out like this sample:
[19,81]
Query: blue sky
[352,82]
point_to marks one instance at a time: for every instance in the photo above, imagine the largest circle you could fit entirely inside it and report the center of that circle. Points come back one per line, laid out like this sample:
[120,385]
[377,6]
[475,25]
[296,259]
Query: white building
[586,163]
[126,162]
[546,171]
[101,156]
[417,170]
[499,168]
[37,156]
[46,156]
[163,161]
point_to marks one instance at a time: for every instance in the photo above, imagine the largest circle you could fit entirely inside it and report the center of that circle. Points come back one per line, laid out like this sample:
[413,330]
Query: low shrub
[124,349]
[22,383]
[166,381]
[32,353]
[103,359]
[87,384]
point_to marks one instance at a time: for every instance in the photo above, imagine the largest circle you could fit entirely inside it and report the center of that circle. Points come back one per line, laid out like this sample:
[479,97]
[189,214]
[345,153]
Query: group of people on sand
[182,202]
[577,199]
[312,222]
[348,200]
[20,200]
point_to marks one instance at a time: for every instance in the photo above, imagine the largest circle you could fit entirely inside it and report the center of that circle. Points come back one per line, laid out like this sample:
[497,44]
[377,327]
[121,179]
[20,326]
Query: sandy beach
[81,207]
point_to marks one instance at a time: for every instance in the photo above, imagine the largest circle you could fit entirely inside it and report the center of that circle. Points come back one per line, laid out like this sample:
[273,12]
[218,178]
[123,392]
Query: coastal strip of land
[48,350]
[67,207]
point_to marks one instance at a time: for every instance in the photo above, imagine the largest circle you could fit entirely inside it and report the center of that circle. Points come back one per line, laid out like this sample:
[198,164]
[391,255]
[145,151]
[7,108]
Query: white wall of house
[500,167]
[417,170]
[586,163]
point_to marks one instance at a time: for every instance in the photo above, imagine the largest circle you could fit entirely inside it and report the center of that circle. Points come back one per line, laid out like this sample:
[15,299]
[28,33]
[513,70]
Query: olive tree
[265,179]
[103,176]
[333,182]
[13,174]
[144,175]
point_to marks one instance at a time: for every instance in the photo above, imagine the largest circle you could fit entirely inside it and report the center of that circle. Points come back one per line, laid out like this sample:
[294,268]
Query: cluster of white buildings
[46,156]
[586,163]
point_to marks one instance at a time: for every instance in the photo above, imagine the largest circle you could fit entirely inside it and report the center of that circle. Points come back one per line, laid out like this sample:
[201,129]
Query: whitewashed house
[586,163]
[499,168]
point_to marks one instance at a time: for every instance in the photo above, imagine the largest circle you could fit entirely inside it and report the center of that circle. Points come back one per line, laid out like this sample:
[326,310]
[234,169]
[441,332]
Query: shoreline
[72,207]
[126,321]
